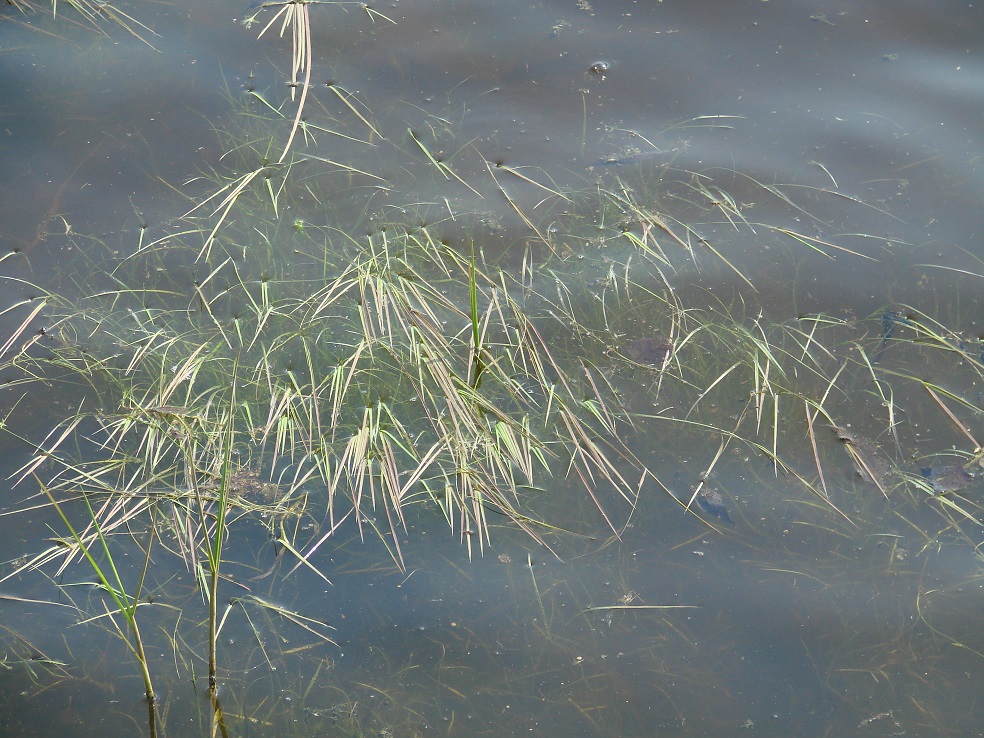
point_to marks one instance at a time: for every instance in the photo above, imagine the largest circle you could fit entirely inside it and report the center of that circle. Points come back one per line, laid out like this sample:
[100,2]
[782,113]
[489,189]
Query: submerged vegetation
[96,15]
[319,343]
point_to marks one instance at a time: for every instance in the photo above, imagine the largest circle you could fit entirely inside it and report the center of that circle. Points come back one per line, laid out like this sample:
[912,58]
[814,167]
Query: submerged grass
[409,373]
[98,16]
[249,365]
[403,368]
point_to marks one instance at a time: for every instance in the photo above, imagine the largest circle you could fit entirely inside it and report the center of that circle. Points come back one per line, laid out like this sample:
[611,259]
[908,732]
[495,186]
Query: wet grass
[392,368]
[409,375]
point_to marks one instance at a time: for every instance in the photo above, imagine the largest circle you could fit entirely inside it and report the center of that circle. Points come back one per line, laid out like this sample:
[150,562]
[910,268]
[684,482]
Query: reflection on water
[803,183]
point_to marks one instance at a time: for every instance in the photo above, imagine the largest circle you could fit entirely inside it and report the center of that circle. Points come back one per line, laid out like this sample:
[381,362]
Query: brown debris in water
[868,460]
[948,477]
[711,502]
[246,484]
[650,351]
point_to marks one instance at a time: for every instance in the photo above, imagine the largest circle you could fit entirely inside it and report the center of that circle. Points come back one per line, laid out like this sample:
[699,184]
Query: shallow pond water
[761,186]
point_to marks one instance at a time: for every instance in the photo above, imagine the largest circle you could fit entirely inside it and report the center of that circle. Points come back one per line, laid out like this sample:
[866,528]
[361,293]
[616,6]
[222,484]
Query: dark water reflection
[865,114]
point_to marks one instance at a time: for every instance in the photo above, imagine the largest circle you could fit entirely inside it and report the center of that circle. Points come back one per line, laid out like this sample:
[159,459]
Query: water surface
[799,619]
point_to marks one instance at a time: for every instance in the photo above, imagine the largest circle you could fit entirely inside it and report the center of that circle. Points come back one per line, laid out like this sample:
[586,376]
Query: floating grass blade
[813,445]
[539,599]
[235,189]
[516,173]
[953,418]
[346,99]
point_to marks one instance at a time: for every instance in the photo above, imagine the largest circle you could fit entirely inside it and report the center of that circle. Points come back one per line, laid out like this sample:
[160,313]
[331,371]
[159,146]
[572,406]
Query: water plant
[103,565]
[95,15]
[305,371]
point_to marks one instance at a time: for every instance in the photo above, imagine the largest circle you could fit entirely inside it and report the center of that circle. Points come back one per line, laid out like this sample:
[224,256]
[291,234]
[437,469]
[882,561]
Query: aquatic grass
[515,171]
[798,359]
[19,653]
[131,479]
[439,164]
[94,15]
[681,204]
[387,298]
[401,369]
[295,17]
[92,542]
[38,305]
[234,190]
[803,360]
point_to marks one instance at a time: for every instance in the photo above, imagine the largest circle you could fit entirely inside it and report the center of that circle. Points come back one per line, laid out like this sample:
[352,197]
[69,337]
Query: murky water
[818,166]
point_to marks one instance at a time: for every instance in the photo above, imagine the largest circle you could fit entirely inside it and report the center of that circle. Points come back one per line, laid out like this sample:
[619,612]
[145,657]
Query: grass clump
[309,376]
[312,369]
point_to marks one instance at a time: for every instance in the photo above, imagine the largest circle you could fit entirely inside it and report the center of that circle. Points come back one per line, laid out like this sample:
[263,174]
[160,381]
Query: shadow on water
[698,283]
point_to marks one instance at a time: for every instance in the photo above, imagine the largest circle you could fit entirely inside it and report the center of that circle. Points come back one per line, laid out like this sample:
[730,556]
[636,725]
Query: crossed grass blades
[396,369]
[362,365]
[408,372]
[101,17]
[355,391]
